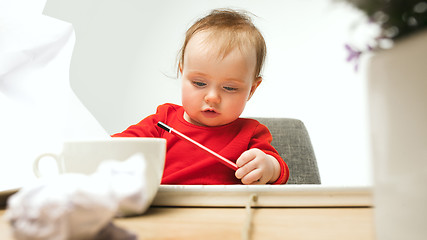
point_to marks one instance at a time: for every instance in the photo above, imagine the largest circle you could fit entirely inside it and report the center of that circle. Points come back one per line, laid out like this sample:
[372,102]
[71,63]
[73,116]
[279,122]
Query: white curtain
[38,109]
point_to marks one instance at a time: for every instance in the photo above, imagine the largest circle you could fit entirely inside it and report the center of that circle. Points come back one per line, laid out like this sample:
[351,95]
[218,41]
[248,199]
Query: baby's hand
[257,167]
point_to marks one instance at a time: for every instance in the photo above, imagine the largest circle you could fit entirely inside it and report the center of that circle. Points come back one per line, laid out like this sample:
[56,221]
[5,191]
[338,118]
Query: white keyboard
[267,195]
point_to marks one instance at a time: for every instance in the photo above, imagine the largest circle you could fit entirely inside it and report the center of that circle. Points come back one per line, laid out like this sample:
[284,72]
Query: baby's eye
[199,84]
[231,89]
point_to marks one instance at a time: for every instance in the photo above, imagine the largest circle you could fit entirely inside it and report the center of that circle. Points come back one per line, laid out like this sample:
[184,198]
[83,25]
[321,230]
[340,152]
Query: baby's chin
[213,122]
[210,121]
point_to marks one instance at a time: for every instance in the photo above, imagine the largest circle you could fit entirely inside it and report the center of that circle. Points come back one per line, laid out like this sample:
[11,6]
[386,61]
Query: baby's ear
[255,85]
[180,68]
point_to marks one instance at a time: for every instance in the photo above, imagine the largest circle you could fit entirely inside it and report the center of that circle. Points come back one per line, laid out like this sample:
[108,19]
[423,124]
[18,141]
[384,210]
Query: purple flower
[353,55]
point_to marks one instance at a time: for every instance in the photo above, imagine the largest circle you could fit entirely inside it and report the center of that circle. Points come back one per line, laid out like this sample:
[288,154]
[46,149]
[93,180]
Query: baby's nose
[213,96]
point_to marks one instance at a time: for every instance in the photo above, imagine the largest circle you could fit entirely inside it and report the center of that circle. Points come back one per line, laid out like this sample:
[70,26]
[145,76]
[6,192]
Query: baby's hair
[229,29]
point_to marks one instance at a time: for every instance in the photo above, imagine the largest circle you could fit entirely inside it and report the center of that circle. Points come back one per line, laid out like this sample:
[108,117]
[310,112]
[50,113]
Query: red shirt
[188,164]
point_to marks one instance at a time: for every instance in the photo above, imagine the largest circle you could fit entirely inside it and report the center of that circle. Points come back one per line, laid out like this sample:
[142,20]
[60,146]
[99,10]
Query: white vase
[397,96]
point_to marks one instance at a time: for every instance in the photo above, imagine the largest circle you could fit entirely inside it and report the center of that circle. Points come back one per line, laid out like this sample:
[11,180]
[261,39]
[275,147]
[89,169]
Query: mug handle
[36,162]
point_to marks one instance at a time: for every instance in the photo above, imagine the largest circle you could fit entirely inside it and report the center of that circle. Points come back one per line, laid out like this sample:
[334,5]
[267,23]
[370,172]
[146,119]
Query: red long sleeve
[187,164]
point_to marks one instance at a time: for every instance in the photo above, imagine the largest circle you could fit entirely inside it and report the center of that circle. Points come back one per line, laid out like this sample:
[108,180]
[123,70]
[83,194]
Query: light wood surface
[227,223]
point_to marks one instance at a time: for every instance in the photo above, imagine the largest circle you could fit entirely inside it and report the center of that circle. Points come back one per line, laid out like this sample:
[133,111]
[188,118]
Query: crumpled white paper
[77,206]
[38,109]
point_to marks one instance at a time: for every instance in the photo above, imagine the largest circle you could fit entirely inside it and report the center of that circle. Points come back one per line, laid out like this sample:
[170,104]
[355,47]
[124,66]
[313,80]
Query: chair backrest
[291,140]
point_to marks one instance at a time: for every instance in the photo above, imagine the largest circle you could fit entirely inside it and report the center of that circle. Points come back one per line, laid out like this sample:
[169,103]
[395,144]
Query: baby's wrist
[276,169]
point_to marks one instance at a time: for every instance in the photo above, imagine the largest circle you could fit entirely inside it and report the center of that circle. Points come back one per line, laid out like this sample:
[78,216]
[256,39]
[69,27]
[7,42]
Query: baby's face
[214,89]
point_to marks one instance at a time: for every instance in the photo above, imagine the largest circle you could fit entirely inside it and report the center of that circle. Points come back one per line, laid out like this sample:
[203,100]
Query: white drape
[38,109]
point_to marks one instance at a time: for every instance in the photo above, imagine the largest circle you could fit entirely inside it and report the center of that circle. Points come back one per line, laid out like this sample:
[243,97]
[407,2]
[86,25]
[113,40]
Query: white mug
[84,156]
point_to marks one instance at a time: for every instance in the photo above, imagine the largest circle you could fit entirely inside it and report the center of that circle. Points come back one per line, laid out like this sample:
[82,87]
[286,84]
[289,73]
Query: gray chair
[291,140]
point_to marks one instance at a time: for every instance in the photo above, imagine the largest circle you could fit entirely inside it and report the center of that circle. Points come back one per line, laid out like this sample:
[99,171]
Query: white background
[124,65]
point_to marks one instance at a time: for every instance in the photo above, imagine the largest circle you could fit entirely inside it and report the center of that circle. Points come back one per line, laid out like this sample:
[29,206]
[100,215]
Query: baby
[220,64]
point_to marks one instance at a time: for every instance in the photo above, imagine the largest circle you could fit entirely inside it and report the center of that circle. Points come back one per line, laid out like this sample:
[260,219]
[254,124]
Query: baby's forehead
[220,43]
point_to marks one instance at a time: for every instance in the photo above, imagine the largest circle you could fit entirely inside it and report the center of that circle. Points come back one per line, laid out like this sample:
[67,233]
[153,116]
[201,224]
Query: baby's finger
[246,157]
[240,173]
[245,169]
[253,177]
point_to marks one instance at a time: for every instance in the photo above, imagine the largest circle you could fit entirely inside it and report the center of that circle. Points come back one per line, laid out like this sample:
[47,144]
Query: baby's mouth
[210,113]
[209,109]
